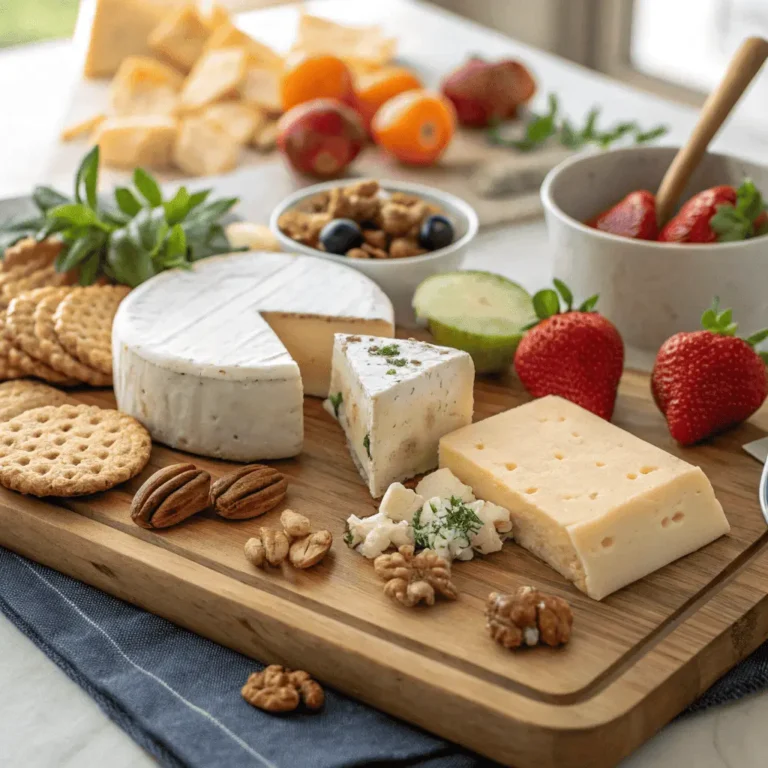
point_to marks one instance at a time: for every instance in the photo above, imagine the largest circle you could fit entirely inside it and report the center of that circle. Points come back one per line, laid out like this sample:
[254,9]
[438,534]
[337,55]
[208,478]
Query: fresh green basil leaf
[210,213]
[86,179]
[75,214]
[78,251]
[89,269]
[546,303]
[143,228]
[177,208]
[198,198]
[176,244]
[127,201]
[148,187]
[128,263]
[46,198]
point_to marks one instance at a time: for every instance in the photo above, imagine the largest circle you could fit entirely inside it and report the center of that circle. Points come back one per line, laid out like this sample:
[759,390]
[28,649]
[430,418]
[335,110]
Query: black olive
[340,235]
[436,232]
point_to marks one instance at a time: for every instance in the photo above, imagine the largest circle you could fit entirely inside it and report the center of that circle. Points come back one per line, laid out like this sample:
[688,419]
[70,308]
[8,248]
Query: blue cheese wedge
[395,399]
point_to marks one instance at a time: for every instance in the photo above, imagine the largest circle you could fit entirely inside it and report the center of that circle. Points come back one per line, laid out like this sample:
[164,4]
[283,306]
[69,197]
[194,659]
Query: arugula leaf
[127,201]
[148,187]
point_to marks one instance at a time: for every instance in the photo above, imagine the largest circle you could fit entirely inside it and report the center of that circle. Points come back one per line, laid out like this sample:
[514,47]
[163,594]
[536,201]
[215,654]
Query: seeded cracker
[83,324]
[17,397]
[71,450]
[51,350]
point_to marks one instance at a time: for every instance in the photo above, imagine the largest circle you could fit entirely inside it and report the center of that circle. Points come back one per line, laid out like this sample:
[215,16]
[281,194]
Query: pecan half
[171,495]
[248,492]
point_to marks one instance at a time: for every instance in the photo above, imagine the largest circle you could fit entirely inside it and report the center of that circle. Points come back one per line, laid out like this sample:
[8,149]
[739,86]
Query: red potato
[321,137]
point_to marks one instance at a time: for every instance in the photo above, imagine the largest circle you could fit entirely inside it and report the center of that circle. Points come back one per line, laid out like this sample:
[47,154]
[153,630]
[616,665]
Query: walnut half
[528,617]
[278,689]
[413,579]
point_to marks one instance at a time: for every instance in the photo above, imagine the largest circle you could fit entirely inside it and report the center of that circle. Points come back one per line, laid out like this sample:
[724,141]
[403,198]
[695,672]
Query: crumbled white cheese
[444,483]
[531,636]
[371,536]
[400,503]
[496,521]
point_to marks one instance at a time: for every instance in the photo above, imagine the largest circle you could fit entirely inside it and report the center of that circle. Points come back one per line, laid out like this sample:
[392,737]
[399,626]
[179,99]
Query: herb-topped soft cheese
[395,399]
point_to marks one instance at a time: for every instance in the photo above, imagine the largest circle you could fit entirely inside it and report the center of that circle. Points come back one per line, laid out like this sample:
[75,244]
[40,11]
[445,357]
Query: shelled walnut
[528,617]
[278,689]
[413,579]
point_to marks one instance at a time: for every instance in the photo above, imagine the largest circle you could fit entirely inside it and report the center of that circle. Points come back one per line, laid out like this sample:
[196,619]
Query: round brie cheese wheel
[216,359]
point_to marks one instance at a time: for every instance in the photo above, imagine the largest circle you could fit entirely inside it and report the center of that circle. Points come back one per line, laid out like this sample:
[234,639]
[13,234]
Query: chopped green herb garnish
[348,538]
[453,521]
[367,445]
[390,350]
[391,372]
[397,361]
[336,401]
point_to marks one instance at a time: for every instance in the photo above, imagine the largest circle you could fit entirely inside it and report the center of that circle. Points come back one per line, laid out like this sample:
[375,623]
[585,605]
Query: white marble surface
[46,721]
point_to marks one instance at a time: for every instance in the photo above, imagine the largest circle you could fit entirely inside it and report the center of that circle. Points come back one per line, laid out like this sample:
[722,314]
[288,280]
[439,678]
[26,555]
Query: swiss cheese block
[598,504]
[211,359]
[395,399]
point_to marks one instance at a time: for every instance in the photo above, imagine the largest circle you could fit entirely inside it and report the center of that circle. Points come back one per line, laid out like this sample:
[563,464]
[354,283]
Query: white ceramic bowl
[398,278]
[651,290]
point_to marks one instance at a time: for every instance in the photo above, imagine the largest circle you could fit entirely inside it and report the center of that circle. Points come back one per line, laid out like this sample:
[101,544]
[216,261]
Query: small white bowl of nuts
[396,233]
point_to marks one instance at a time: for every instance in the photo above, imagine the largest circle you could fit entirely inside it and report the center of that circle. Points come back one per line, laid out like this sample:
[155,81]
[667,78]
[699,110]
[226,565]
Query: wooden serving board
[635,660]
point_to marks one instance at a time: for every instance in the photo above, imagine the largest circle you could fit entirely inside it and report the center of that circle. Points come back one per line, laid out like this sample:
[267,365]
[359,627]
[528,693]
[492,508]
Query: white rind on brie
[216,359]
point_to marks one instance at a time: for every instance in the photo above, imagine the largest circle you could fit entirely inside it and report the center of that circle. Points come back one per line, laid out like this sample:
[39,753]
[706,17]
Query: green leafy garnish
[542,128]
[741,221]
[367,445]
[336,401]
[398,362]
[348,537]
[130,240]
[454,521]
[388,350]
[391,372]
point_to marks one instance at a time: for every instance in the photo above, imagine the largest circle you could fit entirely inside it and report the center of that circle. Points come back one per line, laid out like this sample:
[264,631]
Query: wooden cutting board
[635,660]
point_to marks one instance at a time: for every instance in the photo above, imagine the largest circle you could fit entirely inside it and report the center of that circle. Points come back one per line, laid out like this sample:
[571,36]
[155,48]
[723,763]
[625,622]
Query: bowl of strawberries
[654,280]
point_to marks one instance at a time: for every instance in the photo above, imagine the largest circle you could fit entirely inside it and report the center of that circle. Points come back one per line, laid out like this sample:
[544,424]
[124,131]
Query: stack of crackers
[50,446]
[50,329]
[191,90]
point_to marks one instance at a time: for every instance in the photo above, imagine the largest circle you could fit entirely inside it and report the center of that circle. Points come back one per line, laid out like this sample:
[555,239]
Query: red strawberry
[634,216]
[721,214]
[692,222]
[577,354]
[707,381]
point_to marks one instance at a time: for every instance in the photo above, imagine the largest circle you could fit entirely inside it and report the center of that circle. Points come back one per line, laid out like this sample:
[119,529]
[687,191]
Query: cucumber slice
[479,312]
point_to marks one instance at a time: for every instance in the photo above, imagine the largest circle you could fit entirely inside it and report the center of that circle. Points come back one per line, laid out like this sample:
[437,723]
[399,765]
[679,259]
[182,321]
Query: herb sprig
[453,522]
[131,239]
[543,127]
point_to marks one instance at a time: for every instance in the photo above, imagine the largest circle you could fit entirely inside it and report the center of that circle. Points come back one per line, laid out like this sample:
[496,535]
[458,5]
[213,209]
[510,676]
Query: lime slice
[479,312]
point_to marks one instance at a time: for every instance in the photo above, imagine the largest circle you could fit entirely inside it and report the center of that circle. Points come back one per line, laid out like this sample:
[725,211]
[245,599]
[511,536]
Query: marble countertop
[45,719]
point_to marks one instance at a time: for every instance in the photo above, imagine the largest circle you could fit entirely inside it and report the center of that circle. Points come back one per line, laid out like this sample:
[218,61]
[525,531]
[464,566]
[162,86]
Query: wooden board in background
[636,659]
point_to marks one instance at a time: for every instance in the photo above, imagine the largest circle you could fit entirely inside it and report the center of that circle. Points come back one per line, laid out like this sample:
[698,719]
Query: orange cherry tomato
[375,88]
[415,126]
[315,77]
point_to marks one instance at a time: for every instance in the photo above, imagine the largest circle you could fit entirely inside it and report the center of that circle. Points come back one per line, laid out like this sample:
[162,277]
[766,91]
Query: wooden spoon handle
[744,66]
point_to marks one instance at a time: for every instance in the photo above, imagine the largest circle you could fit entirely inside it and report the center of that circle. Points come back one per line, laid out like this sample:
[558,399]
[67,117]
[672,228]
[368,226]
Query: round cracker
[51,350]
[47,276]
[16,397]
[30,254]
[83,324]
[20,320]
[19,357]
[8,372]
[71,450]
